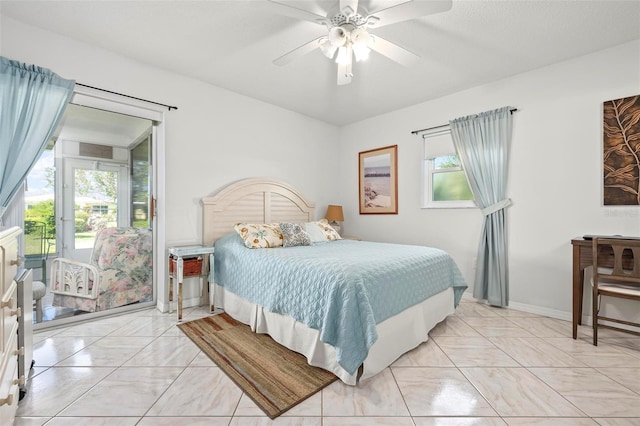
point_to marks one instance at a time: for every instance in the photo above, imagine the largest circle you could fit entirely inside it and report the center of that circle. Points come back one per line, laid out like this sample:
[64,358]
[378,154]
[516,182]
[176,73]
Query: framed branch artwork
[378,180]
[621,151]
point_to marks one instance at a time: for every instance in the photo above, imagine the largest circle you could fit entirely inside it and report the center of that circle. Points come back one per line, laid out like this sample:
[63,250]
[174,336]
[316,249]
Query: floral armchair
[120,272]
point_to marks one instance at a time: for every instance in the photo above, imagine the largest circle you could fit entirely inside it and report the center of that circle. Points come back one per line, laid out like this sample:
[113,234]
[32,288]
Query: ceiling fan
[348,34]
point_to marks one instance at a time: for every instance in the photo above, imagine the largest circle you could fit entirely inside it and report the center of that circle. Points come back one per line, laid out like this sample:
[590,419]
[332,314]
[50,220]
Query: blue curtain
[482,143]
[32,101]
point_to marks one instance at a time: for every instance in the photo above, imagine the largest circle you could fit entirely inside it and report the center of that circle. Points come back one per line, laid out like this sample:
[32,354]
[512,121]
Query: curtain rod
[169,107]
[415,132]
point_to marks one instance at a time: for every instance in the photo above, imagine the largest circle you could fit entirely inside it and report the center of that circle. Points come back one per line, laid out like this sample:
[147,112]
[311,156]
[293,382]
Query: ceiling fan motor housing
[348,16]
[348,27]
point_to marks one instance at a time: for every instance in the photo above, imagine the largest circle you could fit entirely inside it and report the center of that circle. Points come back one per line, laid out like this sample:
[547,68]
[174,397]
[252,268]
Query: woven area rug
[274,377]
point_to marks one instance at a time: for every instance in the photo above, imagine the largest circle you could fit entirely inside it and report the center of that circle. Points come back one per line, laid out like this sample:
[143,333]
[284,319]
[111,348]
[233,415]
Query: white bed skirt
[396,335]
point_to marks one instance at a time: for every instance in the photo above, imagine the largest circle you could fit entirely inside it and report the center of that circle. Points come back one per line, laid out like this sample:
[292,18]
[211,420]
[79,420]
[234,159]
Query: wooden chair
[620,279]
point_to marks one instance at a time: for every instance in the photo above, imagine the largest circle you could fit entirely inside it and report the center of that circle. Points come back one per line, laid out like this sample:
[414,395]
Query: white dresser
[9,313]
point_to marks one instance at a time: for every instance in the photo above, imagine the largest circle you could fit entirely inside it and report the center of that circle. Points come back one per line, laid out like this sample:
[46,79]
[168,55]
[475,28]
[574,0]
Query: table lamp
[334,215]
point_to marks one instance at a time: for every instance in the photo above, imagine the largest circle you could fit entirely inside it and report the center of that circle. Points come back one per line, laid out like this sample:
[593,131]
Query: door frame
[86,96]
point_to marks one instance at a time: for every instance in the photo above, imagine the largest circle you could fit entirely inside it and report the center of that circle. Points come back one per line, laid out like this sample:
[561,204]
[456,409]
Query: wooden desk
[582,258]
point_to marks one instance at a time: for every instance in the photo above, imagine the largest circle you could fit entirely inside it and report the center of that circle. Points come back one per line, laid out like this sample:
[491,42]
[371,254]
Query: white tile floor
[482,366]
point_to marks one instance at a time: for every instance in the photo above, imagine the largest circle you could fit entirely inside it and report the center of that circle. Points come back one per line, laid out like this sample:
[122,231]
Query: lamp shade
[334,213]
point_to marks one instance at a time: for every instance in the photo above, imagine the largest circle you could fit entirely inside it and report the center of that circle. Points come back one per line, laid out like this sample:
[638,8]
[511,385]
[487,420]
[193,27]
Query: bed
[367,313]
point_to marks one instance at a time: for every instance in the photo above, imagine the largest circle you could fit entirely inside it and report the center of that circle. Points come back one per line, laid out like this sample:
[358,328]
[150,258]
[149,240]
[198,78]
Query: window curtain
[482,142]
[14,216]
[32,101]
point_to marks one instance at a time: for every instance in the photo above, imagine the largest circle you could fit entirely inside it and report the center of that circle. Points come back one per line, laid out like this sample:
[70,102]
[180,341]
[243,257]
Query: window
[39,202]
[100,209]
[444,180]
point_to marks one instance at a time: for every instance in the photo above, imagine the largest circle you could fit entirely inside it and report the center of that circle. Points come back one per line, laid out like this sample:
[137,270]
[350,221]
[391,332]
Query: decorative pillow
[315,232]
[263,235]
[294,235]
[321,231]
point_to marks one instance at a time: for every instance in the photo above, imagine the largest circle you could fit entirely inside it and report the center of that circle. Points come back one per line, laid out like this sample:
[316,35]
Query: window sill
[448,206]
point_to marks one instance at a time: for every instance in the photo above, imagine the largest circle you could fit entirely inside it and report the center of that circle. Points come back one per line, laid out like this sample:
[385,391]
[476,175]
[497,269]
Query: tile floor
[482,366]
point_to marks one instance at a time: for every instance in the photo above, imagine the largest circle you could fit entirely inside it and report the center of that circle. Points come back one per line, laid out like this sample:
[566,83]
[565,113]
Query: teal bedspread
[341,288]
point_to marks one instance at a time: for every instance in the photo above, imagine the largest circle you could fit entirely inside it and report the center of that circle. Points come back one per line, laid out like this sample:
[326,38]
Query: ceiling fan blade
[344,74]
[411,9]
[393,51]
[299,51]
[287,9]
[352,4]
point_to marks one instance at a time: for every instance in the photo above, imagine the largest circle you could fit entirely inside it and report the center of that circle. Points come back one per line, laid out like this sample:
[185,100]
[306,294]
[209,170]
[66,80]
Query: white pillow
[321,231]
[315,232]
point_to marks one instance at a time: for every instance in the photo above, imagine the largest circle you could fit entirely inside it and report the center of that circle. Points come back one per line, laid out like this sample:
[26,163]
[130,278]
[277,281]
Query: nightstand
[189,261]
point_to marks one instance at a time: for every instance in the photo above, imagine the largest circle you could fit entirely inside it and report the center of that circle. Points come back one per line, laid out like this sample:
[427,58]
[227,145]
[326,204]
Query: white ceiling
[90,125]
[232,44]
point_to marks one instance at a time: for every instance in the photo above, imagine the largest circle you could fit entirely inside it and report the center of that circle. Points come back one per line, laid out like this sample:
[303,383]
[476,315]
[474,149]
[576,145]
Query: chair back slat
[636,264]
[626,258]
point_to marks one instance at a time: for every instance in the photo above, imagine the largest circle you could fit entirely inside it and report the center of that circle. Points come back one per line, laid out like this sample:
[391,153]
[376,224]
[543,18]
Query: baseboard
[540,310]
[532,309]
[554,313]
[186,303]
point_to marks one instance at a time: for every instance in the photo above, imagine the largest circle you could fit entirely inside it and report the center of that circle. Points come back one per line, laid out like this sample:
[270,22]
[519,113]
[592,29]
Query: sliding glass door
[96,173]
[141,214]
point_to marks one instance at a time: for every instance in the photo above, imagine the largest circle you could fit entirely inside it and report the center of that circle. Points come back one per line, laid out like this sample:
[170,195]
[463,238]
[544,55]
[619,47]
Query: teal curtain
[32,101]
[482,142]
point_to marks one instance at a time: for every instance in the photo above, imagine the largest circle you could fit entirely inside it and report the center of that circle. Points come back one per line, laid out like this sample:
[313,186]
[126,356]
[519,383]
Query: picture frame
[378,180]
[621,142]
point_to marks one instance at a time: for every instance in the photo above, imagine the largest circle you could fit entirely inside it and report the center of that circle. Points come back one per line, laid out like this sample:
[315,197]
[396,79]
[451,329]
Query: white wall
[217,137]
[555,176]
[214,138]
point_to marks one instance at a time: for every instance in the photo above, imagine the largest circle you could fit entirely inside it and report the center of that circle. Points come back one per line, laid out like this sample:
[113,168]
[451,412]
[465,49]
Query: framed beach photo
[378,180]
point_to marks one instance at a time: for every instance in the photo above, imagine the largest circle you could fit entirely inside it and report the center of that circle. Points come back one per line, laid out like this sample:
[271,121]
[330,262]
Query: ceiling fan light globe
[360,36]
[328,49]
[361,52]
[337,36]
[344,56]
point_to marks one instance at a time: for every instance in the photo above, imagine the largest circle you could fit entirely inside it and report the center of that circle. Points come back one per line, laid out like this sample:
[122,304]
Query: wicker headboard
[254,200]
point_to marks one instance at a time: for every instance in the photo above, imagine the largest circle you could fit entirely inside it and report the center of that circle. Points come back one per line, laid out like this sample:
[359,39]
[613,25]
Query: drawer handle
[6,304]
[19,352]
[16,312]
[8,400]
